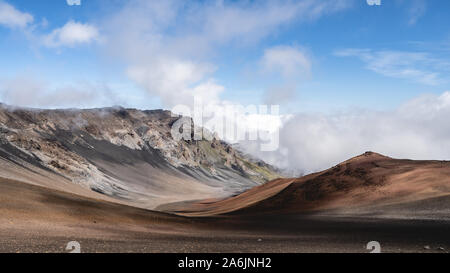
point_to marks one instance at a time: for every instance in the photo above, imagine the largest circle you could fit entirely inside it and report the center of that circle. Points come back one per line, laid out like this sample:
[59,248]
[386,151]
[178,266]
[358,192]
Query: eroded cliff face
[122,153]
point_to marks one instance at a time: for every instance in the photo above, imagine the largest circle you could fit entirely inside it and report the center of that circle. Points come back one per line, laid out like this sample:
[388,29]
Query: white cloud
[74,2]
[168,47]
[289,65]
[414,66]
[71,34]
[247,21]
[310,142]
[176,81]
[13,18]
[291,62]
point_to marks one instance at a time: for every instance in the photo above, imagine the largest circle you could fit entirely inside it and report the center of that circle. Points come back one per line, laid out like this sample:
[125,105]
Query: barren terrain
[38,219]
[114,180]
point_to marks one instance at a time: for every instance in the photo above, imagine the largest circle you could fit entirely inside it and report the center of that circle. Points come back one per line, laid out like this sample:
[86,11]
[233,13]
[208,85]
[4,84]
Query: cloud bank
[310,142]
[28,91]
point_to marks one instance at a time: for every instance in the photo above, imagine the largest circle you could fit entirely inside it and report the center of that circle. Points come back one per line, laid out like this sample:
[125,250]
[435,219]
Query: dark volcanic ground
[302,235]
[35,219]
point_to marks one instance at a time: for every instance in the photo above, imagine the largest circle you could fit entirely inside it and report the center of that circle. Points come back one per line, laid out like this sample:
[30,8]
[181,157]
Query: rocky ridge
[89,147]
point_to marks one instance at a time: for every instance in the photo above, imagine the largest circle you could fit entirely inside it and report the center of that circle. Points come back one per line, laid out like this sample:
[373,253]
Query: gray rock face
[127,154]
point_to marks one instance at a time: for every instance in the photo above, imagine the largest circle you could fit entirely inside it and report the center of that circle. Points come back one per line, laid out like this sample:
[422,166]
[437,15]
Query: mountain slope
[369,183]
[123,154]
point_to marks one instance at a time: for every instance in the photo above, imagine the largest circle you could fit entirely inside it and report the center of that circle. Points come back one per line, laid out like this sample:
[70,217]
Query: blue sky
[348,77]
[332,82]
